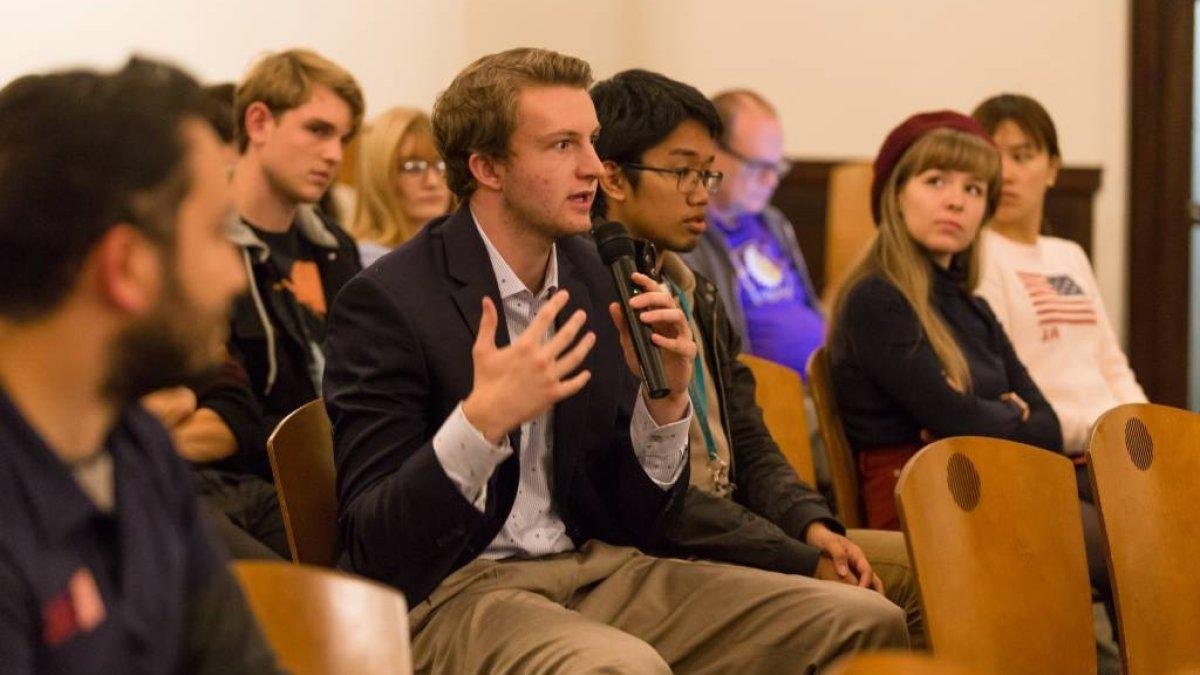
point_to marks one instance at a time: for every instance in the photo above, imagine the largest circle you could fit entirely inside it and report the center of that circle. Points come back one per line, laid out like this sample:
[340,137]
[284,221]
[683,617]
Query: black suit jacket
[399,361]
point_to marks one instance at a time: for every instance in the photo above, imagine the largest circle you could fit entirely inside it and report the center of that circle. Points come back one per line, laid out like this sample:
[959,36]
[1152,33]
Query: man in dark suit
[497,458]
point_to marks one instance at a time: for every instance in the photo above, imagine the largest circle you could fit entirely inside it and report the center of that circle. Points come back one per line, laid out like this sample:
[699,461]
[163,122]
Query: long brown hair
[897,258]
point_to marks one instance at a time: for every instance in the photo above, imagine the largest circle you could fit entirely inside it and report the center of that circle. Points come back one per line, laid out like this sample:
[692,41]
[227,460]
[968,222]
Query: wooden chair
[1144,464]
[843,473]
[325,622]
[779,391]
[899,663]
[301,452]
[849,225]
[996,540]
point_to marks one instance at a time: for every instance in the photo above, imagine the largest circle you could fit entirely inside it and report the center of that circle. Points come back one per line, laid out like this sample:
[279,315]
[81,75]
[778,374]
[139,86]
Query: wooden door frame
[1160,175]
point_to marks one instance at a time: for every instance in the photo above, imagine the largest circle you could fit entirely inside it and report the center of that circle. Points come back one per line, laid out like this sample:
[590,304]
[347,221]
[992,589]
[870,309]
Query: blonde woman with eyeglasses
[401,182]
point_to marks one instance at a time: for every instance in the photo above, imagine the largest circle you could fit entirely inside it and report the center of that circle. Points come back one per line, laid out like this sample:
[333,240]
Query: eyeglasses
[761,166]
[687,180]
[418,167]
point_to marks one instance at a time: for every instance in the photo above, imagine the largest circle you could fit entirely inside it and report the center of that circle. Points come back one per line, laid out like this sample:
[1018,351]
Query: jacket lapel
[467,263]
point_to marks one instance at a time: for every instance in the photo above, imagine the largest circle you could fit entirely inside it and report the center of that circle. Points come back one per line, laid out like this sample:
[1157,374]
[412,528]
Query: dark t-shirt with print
[294,260]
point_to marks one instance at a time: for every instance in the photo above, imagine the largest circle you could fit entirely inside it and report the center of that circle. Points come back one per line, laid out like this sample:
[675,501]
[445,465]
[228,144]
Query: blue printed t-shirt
[784,323]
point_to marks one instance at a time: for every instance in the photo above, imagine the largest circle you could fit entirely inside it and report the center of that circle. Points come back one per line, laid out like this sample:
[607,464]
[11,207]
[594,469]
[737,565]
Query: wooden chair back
[301,453]
[849,225]
[843,472]
[323,622]
[779,391]
[1144,463]
[899,663]
[996,541]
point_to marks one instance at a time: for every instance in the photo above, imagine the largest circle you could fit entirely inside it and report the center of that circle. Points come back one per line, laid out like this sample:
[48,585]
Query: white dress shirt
[534,527]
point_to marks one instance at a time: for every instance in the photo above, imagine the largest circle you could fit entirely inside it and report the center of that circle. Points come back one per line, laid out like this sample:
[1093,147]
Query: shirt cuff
[661,450]
[467,457]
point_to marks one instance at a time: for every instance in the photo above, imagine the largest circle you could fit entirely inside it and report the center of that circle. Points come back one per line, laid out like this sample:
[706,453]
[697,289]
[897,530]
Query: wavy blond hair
[378,211]
[285,80]
[896,257]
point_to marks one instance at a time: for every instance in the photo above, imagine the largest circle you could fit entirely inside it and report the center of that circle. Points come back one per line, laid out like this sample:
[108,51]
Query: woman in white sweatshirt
[1043,289]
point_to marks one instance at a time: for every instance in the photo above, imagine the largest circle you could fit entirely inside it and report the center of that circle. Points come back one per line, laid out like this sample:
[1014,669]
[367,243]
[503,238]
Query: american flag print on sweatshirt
[1058,299]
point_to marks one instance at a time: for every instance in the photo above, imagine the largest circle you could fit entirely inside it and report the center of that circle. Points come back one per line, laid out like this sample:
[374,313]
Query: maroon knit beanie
[902,138]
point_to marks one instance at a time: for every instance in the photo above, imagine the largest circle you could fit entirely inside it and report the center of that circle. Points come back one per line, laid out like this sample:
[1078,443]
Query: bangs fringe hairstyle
[285,80]
[896,257]
[378,211]
[1029,116]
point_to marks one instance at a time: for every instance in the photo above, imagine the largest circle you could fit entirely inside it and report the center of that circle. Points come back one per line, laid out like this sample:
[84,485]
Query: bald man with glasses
[750,251]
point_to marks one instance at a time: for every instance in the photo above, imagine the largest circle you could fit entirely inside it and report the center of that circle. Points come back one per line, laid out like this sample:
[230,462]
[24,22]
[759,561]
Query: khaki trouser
[608,609]
[888,555]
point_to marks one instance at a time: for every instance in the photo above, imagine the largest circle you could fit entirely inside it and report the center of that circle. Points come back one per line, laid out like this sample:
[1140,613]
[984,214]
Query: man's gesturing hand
[674,339]
[517,383]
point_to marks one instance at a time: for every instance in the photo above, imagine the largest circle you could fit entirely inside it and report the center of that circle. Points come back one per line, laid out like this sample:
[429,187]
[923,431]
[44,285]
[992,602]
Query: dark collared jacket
[169,601]
[763,524]
[268,338]
[399,361]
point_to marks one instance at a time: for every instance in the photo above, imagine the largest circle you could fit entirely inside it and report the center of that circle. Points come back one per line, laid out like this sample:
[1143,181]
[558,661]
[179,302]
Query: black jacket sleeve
[221,634]
[887,341]
[227,393]
[718,528]
[402,519]
[766,483]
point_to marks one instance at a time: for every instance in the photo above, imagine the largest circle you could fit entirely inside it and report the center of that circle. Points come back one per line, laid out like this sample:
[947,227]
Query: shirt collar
[57,502]
[506,280]
[675,269]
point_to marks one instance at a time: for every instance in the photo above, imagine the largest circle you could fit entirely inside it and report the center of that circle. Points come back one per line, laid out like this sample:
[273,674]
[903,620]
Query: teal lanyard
[696,388]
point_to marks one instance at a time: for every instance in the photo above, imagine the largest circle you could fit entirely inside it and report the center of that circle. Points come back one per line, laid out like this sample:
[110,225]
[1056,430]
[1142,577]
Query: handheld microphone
[617,250]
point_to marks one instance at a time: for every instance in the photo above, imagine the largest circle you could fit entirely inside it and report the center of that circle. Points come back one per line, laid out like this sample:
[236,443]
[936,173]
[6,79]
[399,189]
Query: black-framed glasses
[780,168]
[686,179]
[418,167]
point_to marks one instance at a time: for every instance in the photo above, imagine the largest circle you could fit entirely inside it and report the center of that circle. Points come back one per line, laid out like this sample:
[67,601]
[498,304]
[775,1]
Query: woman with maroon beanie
[915,356]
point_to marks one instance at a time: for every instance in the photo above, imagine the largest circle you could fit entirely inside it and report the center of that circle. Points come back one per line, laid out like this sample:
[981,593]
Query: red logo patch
[77,609]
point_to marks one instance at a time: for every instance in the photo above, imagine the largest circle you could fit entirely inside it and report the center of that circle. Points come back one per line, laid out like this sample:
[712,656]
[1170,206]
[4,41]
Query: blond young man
[497,457]
[294,112]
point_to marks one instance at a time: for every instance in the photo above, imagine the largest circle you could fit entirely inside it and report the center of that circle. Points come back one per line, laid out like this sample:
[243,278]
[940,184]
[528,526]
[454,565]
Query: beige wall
[844,73]
[402,51]
[841,73]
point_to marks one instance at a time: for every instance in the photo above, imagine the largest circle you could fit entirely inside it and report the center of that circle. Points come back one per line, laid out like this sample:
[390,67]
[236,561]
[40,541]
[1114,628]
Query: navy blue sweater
[890,385]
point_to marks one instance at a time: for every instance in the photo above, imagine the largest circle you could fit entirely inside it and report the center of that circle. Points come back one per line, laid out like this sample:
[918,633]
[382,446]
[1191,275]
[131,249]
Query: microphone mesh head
[614,241]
